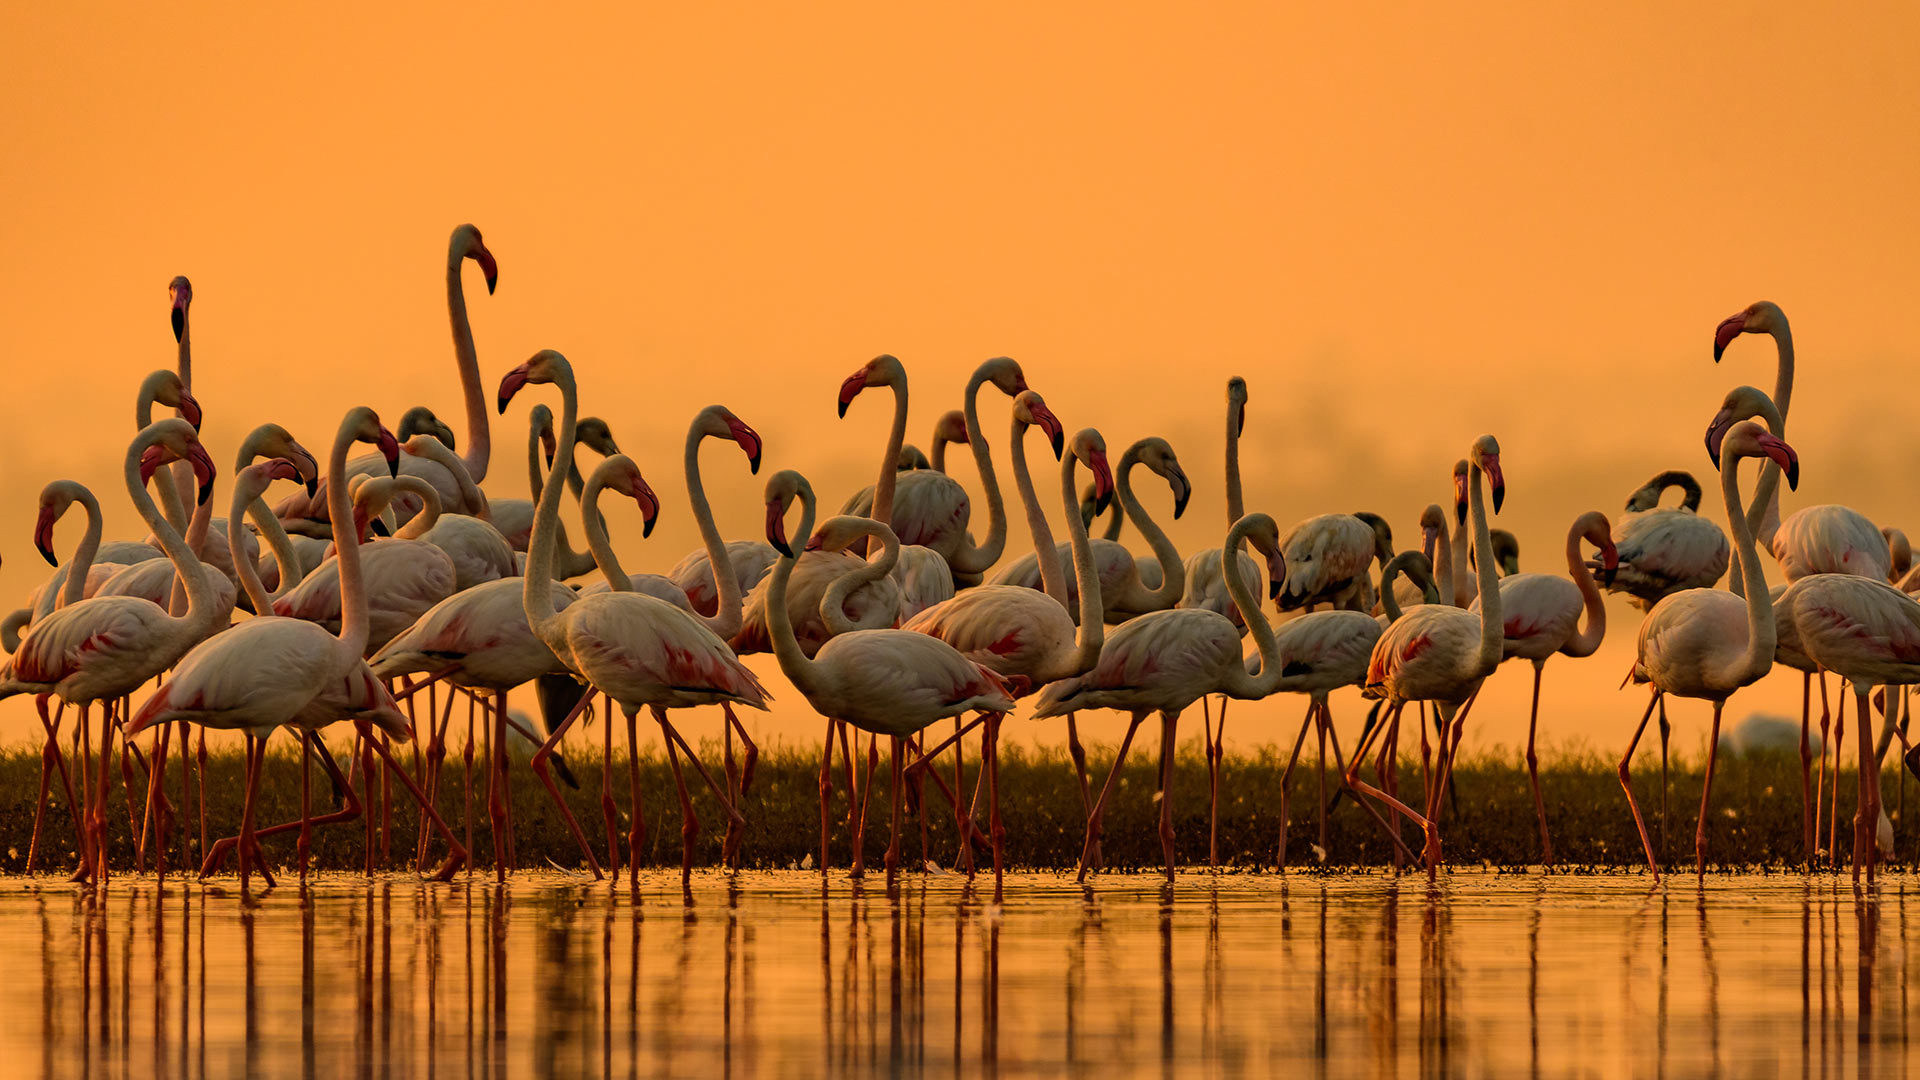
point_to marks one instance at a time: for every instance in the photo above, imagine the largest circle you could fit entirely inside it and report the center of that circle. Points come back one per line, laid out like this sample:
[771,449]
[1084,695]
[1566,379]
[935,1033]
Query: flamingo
[1442,654]
[421,420]
[640,651]
[1693,643]
[478,551]
[1542,617]
[1327,558]
[104,648]
[272,671]
[514,517]
[888,682]
[1205,586]
[1164,661]
[405,575]
[308,513]
[1664,550]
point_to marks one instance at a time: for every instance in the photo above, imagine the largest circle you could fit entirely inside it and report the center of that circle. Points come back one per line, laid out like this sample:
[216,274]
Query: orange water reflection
[769,976]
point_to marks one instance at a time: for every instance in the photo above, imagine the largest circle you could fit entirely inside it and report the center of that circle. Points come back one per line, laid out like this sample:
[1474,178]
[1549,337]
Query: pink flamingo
[1542,618]
[514,517]
[1328,557]
[1708,643]
[405,575]
[888,682]
[640,651]
[1439,653]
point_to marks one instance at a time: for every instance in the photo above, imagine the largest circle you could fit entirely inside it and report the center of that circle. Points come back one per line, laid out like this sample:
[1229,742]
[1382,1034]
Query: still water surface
[769,975]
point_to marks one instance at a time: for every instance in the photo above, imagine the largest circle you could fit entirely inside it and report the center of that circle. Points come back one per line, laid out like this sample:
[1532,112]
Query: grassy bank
[1755,821]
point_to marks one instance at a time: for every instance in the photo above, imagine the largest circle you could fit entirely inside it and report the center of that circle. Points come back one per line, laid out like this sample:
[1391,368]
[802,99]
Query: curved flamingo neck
[355,618]
[568,563]
[969,558]
[1234,571]
[1588,639]
[834,603]
[472,499]
[173,495]
[479,442]
[597,542]
[247,502]
[1451,552]
[1053,577]
[197,530]
[1091,634]
[75,587]
[1173,581]
[536,592]
[890,460]
[200,597]
[1492,624]
[726,619]
[430,508]
[1755,660]
[174,501]
[804,673]
[1236,507]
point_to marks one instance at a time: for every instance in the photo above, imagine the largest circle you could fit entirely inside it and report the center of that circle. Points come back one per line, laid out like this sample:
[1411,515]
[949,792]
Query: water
[768,975]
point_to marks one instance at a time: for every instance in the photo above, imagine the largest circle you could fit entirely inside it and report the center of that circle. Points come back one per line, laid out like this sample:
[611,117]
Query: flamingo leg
[256,754]
[1168,722]
[689,823]
[1626,784]
[607,811]
[105,780]
[969,832]
[1386,771]
[1533,765]
[217,854]
[541,769]
[159,812]
[136,829]
[894,796]
[1079,755]
[51,753]
[83,753]
[386,803]
[1106,792]
[368,793]
[990,752]
[1666,732]
[497,807]
[1706,792]
[859,812]
[1321,729]
[466,761]
[1833,808]
[826,795]
[436,755]
[186,792]
[1806,763]
[1213,783]
[200,769]
[1820,771]
[457,854]
[1390,728]
[738,792]
[305,845]
[1286,780]
[959,784]
[637,821]
[1391,828]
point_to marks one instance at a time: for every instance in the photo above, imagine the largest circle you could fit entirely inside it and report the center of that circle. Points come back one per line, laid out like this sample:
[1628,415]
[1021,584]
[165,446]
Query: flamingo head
[882,370]
[179,297]
[1759,317]
[421,420]
[55,498]
[718,421]
[951,427]
[1090,450]
[1741,403]
[1261,531]
[1433,521]
[1460,491]
[274,441]
[176,442]
[620,474]
[1485,456]
[843,531]
[1156,454]
[1748,439]
[1594,528]
[1003,372]
[1237,404]
[164,387]
[249,483]
[540,421]
[466,244]
[1031,410]
[592,433]
[545,366]
[783,488]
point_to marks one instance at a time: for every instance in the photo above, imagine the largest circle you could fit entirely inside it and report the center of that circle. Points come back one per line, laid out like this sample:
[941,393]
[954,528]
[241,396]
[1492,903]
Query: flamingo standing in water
[269,671]
[1542,617]
[889,682]
[1439,653]
[1708,643]
[641,651]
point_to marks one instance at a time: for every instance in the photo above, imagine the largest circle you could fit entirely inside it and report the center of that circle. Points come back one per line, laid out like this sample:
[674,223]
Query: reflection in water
[772,974]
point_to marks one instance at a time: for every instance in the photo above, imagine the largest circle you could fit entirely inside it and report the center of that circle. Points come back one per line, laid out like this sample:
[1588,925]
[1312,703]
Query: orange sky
[1403,226]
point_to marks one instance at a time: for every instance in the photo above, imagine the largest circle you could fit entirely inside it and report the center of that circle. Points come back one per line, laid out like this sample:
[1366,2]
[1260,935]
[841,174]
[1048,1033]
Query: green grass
[1755,819]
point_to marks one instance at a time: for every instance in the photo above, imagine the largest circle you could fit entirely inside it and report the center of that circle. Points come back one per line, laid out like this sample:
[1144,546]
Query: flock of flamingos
[889,617]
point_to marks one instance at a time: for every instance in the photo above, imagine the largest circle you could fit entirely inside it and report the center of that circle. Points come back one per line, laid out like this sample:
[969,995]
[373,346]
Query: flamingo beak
[511,384]
[1182,491]
[1460,499]
[203,471]
[1497,481]
[488,267]
[1050,424]
[1429,537]
[1784,456]
[1276,574]
[547,444]
[649,507]
[850,388]
[818,541]
[150,461]
[190,410]
[749,441]
[390,449]
[1609,564]
[282,469]
[1723,334]
[1240,421]
[181,298]
[379,526]
[43,536]
[1102,483]
[309,472]
[1716,433]
[777,528]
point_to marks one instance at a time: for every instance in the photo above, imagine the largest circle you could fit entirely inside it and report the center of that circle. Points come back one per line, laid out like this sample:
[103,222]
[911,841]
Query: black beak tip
[1273,590]
[753,465]
[1180,505]
[492,280]
[785,549]
[646,529]
[206,492]
[1499,497]
[1607,576]
[47,554]
[179,324]
[503,406]
[1717,350]
[393,467]
[379,526]
[1460,513]
[1100,504]
[843,410]
[1793,477]
[1059,444]
[313,488]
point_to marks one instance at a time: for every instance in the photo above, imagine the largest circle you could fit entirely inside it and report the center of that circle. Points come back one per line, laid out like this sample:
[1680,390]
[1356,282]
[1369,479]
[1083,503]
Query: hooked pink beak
[1102,483]
[190,410]
[1276,574]
[282,469]
[1043,417]
[1497,481]
[850,388]
[488,267]
[1609,563]
[511,384]
[1783,456]
[389,449]
[1724,334]
[649,505]
[1182,491]
[1429,536]
[547,444]
[777,528]
[311,473]
[1717,432]
[1460,498]
[43,536]
[749,441]
[182,295]
[151,459]
[818,541]
[203,470]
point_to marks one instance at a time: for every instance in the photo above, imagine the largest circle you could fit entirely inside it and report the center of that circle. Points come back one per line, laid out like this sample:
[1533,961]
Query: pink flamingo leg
[542,770]
[1106,792]
[1626,784]
[1286,779]
[457,854]
[636,821]
[608,813]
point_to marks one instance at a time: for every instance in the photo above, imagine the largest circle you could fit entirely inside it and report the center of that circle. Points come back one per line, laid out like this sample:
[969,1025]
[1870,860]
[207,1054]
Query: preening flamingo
[478,551]
[405,575]
[269,671]
[1164,661]
[1708,643]
[640,651]
[1439,653]
[308,514]
[1541,615]
[1328,557]
[889,682]
[1664,550]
